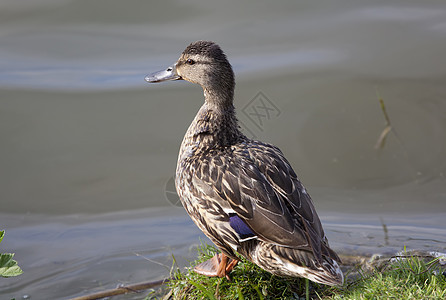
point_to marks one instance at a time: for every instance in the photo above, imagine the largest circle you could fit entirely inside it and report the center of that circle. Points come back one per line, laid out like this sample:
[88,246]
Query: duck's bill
[164,75]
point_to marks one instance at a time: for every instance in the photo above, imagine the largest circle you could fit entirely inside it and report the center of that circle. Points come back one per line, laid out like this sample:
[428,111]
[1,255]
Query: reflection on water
[87,148]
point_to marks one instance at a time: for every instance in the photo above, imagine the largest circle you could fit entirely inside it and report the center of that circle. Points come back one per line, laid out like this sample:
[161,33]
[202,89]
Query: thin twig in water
[123,290]
[151,260]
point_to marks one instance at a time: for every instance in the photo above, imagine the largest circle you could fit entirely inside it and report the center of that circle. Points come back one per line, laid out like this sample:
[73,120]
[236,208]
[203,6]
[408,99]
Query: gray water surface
[88,149]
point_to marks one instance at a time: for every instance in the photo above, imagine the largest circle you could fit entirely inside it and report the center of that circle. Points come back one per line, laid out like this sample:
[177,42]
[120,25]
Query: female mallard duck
[243,194]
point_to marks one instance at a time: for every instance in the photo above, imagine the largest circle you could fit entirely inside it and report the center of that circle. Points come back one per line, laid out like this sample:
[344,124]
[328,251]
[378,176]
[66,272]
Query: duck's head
[203,63]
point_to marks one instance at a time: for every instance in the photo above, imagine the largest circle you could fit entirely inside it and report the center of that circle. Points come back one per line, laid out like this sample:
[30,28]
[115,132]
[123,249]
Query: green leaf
[8,266]
[2,234]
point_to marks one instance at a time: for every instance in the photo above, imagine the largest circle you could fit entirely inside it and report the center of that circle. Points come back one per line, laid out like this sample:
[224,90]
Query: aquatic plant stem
[307,289]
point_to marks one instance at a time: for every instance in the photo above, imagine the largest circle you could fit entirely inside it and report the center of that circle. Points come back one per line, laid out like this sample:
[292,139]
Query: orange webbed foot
[219,265]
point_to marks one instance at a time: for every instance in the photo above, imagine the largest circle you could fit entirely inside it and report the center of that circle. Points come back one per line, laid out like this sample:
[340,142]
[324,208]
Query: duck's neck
[215,126]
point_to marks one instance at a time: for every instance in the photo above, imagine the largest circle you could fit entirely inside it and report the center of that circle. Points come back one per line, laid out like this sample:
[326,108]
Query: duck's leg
[231,265]
[219,265]
[221,271]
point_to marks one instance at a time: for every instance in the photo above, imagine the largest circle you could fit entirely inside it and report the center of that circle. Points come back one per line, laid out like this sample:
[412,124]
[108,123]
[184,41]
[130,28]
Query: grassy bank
[402,277]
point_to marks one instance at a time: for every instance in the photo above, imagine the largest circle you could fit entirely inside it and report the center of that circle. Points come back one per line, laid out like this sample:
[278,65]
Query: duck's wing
[265,193]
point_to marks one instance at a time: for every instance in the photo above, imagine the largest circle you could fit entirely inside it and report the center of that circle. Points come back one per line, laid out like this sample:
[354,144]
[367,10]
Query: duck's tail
[283,261]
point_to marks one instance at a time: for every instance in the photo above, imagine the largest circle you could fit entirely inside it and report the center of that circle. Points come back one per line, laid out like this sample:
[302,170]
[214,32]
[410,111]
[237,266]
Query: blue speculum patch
[240,227]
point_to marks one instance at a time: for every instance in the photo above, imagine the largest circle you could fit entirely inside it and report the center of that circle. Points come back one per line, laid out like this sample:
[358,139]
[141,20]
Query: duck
[242,193]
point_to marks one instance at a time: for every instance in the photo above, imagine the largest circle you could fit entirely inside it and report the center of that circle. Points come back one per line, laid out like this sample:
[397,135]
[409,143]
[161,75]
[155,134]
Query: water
[88,149]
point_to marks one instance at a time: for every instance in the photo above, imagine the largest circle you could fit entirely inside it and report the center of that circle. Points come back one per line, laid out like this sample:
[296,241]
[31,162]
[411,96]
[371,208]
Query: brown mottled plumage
[243,194]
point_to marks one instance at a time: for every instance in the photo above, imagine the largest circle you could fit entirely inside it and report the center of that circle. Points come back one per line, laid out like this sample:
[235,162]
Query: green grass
[409,277]
[247,282]
[406,277]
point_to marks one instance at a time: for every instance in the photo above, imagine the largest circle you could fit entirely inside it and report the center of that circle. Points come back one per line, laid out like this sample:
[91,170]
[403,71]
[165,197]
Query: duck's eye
[190,61]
